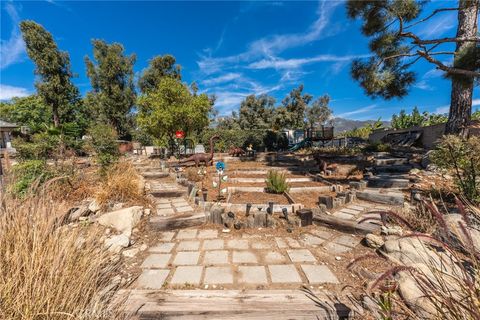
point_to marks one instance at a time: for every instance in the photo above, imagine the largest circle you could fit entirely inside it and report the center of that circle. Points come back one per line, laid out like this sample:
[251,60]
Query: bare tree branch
[448,69]
[443,40]
[431,15]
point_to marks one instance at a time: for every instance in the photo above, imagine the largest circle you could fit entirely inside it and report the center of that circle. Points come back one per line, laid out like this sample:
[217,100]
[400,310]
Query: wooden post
[306,217]
[327,201]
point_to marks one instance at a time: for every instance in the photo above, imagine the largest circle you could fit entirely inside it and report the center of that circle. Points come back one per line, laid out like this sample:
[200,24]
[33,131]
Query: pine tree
[397,47]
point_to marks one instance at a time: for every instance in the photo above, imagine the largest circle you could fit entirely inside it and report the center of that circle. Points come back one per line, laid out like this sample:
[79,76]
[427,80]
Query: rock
[123,220]
[117,243]
[94,206]
[130,253]
[453,222]
[374,241]
[426,159]
[392,231]
[415,171]
[147,212]
[143,247]
[82,211]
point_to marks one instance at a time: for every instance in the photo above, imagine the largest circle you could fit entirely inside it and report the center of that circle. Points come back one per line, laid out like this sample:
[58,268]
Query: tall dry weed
[122,183]
[49,270]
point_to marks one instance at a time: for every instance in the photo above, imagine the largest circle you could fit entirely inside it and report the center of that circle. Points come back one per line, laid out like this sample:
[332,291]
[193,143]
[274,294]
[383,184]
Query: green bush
[103,143]
[28,172]
[462,158]
[377,147]
[276,182]
[259,139]
[40,146]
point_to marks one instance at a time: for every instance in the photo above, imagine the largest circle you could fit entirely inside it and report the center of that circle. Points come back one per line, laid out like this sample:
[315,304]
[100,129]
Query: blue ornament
[220,166]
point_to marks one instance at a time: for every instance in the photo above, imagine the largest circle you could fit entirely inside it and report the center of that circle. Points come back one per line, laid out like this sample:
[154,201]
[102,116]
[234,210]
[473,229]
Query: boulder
[454,223]
[117,243]
[374,241]
[123,220]
[392,231]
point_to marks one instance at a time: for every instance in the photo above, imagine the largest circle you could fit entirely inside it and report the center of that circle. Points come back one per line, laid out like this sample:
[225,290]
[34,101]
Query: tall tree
[255,112]
[113,91]
[159,67]
[319,111]
[171,107]
[28,111]
[396,47]
[53,68]
[296,104]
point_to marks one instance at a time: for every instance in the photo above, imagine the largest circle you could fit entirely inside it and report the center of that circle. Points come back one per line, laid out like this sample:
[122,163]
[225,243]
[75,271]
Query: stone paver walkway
[209,258]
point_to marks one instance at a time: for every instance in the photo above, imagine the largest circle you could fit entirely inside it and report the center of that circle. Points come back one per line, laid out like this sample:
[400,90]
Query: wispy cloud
[437,26]
[13,49]
[358,111]
[222,79]
[8,92]
[278,63]
[424,85]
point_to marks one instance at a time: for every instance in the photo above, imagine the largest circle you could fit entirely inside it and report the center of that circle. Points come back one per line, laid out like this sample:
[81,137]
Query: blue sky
[230,49]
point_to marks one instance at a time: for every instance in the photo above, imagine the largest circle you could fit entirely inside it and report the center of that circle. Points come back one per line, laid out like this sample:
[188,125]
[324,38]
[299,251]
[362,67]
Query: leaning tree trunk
[462,86]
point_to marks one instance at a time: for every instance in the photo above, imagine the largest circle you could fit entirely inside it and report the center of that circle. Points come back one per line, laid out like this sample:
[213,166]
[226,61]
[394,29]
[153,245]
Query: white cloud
[278,63]
[222,79]
[8,92]
[270,46]
[12,50]
[423,84]
[358,111]
[437,26]
[446,108]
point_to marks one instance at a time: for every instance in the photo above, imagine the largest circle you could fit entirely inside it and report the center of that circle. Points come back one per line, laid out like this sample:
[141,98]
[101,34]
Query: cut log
[231,305]
[177,222]
[344,225]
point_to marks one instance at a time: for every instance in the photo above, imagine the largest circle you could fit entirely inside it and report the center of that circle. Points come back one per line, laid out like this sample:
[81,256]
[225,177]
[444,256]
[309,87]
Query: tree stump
[260,220]
[216,215]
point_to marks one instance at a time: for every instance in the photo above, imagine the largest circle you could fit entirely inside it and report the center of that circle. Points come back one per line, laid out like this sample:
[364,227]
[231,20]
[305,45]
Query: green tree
[256,112]
[171,107]
[113,92]
[397,47]
[319,111]
[54,84]
[415,119]
[159,67]
[28,111]
[295,104]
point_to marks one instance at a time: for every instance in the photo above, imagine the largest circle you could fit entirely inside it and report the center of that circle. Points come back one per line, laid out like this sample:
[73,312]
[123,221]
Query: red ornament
[179,134]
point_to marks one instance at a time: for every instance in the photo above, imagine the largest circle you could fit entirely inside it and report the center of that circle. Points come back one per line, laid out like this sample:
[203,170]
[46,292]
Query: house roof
[5,124]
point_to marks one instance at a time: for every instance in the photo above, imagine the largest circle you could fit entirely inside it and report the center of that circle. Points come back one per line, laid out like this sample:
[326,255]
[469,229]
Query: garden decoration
[285,213]
[220,167]
[206,158]
[236,152]
[248,208]
[202,172]
[270,208]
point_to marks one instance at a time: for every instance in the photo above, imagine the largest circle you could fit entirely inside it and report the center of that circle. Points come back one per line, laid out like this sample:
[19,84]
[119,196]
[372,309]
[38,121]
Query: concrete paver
[284,274]
[319,274]
[301,255]
[215,257]
[218,275]
[187,275]
[252,274]
[244,257]
[156,261]
[152,279]
[186,258]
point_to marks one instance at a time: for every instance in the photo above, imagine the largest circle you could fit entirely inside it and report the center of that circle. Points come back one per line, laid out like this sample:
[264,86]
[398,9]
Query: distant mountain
[342,124]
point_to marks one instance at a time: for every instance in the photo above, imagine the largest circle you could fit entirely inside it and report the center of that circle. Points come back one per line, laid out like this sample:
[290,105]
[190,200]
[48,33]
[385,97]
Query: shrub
[103,142]
[41,146]
[50,271]
[462,158]
[377,147]
[276,182]
[28,173]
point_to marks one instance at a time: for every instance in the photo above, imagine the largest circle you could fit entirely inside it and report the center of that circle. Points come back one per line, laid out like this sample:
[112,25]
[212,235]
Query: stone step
[154,175]
[387,182]
[394,168]
[391,161]
[231,305]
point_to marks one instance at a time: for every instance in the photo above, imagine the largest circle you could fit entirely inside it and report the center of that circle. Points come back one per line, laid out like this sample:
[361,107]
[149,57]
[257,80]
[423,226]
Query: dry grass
[121,184]
[448,282]
[50,271]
